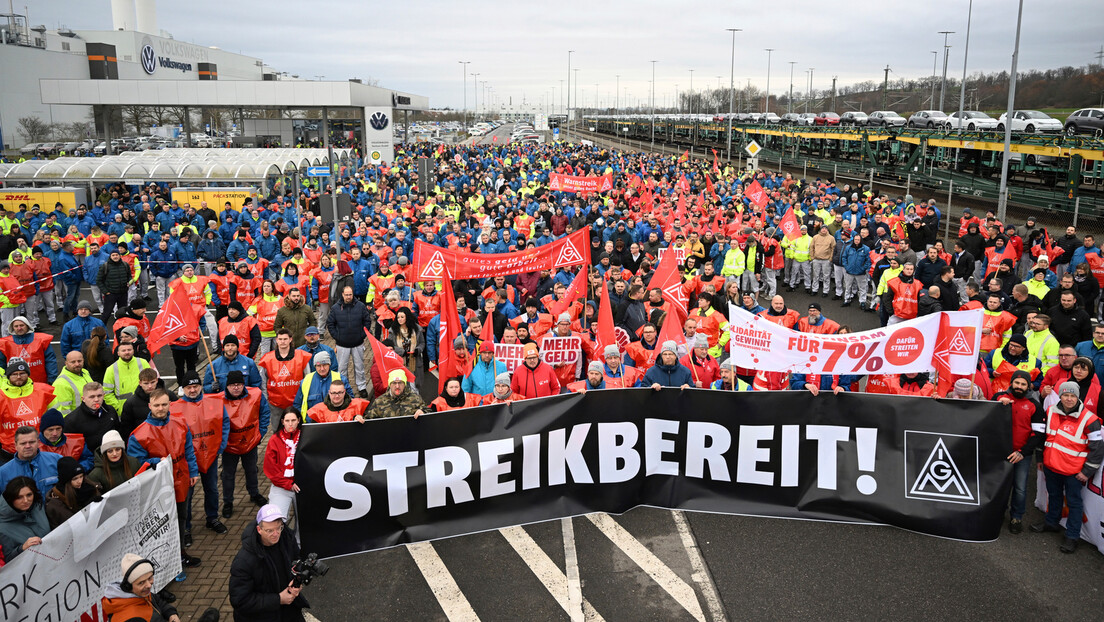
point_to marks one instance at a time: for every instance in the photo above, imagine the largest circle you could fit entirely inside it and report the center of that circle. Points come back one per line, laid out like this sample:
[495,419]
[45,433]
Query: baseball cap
[269,512]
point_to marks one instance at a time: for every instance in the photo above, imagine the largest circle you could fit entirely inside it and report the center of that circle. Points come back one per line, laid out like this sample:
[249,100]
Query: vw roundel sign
[149,59]
[378,121]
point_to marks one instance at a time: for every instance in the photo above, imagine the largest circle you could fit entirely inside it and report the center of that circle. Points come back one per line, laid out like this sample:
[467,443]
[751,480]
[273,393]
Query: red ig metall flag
[756,194]
[174,320]
[790,227]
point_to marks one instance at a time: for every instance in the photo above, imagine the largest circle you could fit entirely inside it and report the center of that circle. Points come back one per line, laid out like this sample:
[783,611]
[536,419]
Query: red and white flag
[606,335]
[577,289]
[790,227]
[755,193]
[386,360]
[174,320]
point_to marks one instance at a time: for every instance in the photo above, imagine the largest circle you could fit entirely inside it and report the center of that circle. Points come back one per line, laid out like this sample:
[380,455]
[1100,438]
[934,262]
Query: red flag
[577,289]
[941,357]
[672,328]
[716,168]
[448,365]
[756,194]
[487,334]
[683,184]
[709,187]
[790,226]
[606,336]
[680,207]
[385,359]
[668,279]
[174,320]
[685,156]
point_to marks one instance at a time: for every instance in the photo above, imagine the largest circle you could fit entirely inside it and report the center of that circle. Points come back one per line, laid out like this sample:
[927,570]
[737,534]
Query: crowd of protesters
[287,304]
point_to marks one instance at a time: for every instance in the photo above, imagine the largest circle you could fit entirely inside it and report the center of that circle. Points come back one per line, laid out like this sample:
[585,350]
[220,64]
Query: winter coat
[257,576]
[108,475]
[668,375]
[122,606]
[91,425]
[16,527]
[346,323]
[388,405]
[855,259]
[76,331]
[113,277]
[539,382]
[279,458]
[295,319]
[58,511]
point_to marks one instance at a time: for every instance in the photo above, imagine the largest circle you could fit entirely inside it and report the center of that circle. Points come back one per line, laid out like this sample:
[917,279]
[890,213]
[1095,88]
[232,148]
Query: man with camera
[263,585]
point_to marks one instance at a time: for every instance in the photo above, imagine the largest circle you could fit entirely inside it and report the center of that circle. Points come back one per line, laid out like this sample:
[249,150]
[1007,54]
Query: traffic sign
[318,171]
[753,148]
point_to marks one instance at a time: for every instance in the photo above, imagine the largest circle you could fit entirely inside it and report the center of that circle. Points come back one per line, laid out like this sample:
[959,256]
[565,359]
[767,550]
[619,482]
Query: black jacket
[92,426]
[1070,327]
[346,323]
[258,575]
[963,265]
[113,277]
[136,409]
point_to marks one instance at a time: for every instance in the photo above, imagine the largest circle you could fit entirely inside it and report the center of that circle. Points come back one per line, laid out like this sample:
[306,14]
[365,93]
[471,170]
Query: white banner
[758,343]
[1092,494]
[64,577]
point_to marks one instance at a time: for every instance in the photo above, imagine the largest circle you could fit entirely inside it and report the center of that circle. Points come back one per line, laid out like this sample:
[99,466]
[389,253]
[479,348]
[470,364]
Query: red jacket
[539,382]
[705,371]
[279,458]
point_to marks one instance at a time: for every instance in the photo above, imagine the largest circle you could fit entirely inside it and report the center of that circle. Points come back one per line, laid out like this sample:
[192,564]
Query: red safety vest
[204,419]
[470,400]
[320,413]
[26,410]
[896,388]
[629,377]
[827,327]
[643,357]
[429,305]
[1067,443]
[878,384]
[789,320]
[245,422]
[72,447]
[266,312]
[34,353]
[324,278]
[168,441]
[905,297]
[196,293]
[239,329]
[222,286]
[997,322]
[284,377]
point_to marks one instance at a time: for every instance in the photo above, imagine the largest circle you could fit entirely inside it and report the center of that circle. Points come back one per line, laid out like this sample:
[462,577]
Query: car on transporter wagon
[886,118]
[927,119]
[1031,121]
[1085,121]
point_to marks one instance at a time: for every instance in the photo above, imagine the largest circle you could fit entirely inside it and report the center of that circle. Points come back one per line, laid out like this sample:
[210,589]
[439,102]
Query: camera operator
[133,597]
[261,586]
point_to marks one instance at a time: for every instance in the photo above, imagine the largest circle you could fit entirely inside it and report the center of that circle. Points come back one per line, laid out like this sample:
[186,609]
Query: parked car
[790,118]
[770,117]
[929,119]
[853,118]
[886,118]
[971,120]
[807,118]
[29,149]
[1085,121]
[1030,121]
[826,118]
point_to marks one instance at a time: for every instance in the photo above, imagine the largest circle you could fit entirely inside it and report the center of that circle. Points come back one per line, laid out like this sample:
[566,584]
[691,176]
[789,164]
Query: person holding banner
[816,323]
[779,314]
[702,366]
[279,462]
[616,375]
[453,397]
[338,405]
[502,393]
[668,372]
[728,380]
[23,521]
[535,378]
[400,400]
[1074,448]
[595,379]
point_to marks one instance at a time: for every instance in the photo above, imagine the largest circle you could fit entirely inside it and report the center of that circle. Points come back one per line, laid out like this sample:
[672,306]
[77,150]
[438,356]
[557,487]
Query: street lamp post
[731,88]
[943,83]
[789,106]
[965,57]
[1002,197]
[616,98]
[653,103]
[690,98]
[935,59]
[766,104]
[809,89]
[475,83]
[464,76]
[568,111]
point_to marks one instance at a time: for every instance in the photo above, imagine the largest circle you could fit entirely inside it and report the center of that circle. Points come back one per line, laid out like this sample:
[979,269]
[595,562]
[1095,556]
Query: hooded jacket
[16,527]
[257,576]
[668,375]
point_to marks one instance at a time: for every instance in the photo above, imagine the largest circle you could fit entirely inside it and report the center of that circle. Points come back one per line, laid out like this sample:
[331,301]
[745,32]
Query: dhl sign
[216,198]
[46,198]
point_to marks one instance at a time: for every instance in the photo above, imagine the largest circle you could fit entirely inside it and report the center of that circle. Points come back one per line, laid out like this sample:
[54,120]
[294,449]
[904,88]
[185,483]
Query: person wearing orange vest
[502,393]
[264,307]
[249,417]
[379,283]
[779,314]
[996,324]
[1004,362]
[53,439]
[1071,457]
[338,405]
[902,294]
[917,385]
[22,402]
[816,322]
[34,348]
[539,323]
[878,384]
[200,292]
[220,281]
[642,354]
[284,369]
[428,301]
[242,326]
[712,324]
[162,436]
[210,427]
[321,277]
[454,398]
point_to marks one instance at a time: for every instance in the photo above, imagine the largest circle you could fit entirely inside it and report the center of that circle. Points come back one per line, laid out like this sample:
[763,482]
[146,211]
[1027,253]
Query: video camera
[304,570]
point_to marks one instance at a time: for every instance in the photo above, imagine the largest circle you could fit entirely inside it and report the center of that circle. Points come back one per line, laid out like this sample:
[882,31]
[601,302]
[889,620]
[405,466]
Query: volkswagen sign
[378,121]
[149,59]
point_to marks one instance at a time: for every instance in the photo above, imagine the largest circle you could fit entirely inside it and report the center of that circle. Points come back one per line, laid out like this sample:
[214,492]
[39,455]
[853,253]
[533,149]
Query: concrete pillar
[187,127]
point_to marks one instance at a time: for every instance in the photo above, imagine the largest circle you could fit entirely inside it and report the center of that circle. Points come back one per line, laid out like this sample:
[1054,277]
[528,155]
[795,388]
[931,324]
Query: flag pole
[210,361]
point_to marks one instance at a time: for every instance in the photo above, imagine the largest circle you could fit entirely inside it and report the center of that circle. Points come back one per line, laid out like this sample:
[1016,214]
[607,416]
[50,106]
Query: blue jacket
[185,252]
[42,469]
[1089,350]
[162,263]
[855,261]
[211,249]
[76,331]
[236,250]
[433,332]
[135,449]
[668,375]
[92,264]
[481,380]
[797,382]
[319,347]
[48,355]
[61,266]
[267,247]
[1079,255]
[221,367]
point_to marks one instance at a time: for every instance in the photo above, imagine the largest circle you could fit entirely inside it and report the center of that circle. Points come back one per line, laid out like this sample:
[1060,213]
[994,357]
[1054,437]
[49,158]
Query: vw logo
[149,61]
[378,121]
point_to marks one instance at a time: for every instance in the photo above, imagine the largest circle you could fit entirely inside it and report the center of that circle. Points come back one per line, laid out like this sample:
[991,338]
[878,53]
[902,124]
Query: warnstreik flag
[386,360]
[578,183]
[432,263]
[174,320]
[790,227]
[755,193]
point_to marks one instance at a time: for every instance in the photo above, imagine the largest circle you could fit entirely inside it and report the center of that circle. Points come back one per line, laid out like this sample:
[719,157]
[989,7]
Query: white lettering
[491,468]
[530,461]
[567,453]
[655,445]
[340,489]
[441,480]
[394,467]
[828,438]
[616,442]
[707,442]
[791,436]
[750,454]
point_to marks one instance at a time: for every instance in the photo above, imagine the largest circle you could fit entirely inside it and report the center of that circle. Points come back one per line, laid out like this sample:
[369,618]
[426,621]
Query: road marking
[701,574]
[448,594]
[546,571]
[660,572]
[571,560]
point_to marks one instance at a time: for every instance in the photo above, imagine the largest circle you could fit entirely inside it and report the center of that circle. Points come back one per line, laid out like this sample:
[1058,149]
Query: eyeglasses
[273,531]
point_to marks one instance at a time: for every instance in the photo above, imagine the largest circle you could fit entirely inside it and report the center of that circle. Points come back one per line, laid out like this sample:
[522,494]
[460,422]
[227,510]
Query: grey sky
[520,49]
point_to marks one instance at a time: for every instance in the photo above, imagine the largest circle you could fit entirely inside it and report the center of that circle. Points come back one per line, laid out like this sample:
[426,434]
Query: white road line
[574,585]
[701,574]
[660,573]
[546,570]
[448,594]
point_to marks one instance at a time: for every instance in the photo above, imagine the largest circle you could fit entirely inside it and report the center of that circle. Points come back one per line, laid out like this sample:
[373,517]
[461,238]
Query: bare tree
[34,130]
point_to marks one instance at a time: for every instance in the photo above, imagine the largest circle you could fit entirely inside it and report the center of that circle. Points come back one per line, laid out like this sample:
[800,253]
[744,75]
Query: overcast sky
[520,49]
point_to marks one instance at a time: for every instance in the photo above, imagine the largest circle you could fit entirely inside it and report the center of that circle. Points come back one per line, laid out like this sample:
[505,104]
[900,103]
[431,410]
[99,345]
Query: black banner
[932,466]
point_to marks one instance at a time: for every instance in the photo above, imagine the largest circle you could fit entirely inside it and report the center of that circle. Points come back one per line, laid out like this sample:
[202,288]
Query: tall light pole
[809,89]
[789,107]
[766,104]
[690,99]
[475,84]
[569,53]
[731,87]
[562,91]
[1002,197]
[965,57]
[943,83]
[653,103]
[464,76]
[935,59]
[616,98]
[576,93]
